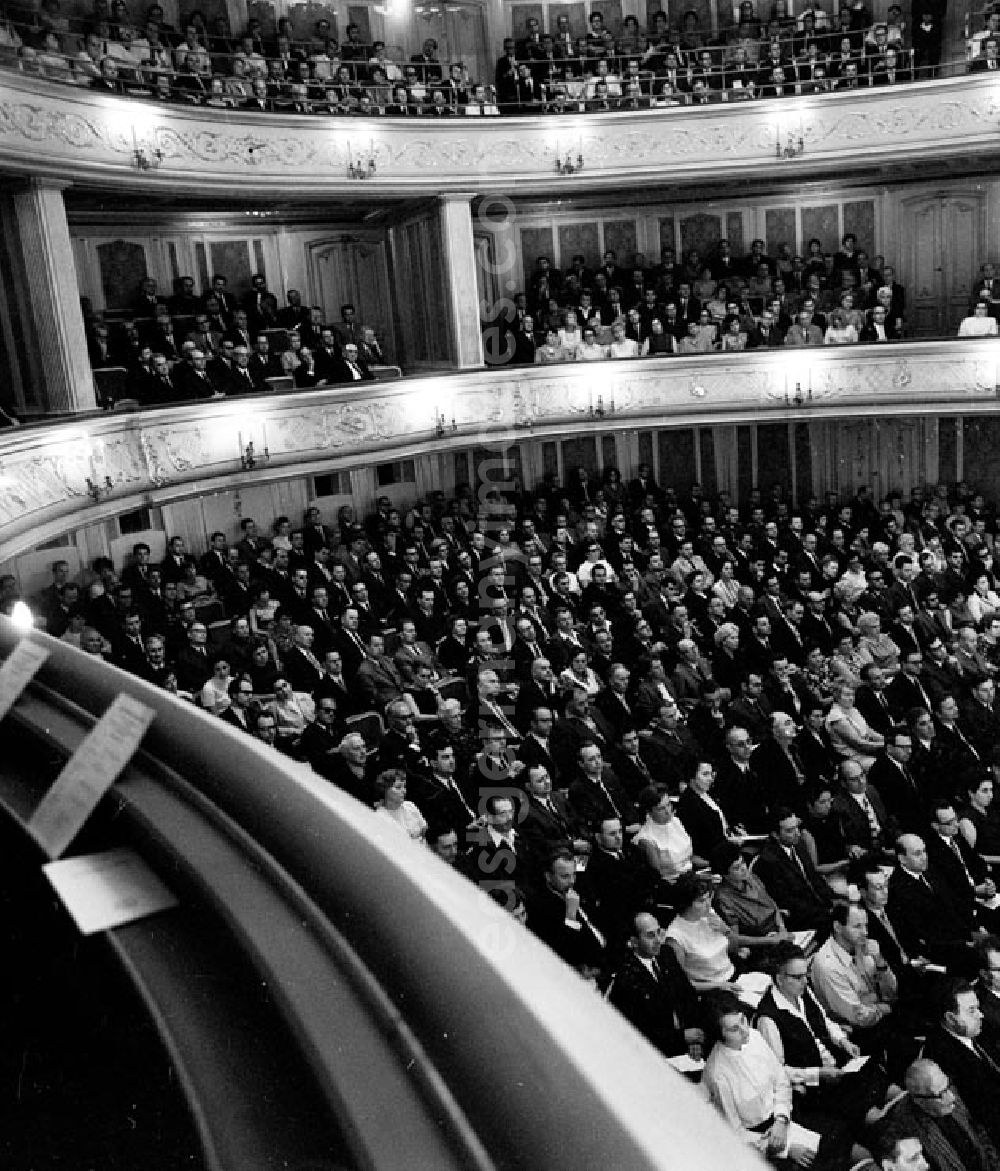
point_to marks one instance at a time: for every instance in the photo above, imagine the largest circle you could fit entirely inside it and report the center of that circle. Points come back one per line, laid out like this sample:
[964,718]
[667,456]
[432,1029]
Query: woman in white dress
[662,839]
[392,804]
[850,734]
[698,937]
[980,324]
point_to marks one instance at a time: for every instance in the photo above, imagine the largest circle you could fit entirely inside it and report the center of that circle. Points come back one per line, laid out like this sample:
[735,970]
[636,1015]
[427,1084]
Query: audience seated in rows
[191,347]
[545,71]
[677,788]
[701,304]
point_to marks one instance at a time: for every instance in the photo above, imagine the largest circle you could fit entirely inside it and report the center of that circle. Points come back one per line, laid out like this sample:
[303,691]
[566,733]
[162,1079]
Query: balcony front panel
[76,135]
[52,476]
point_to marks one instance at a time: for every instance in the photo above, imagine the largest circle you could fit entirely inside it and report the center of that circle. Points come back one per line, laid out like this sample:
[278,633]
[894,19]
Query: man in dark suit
[980,719]
[303,670]
[193,662]
[349,368]
[320,742]
[907,690]
[777,763]
[561,918]
[573,730]
[890,775]
[613,702]
[534,748]
[963,870]
[540,690]
[594,792]
[333,685]
[870,699]
[616,881]
[955,1043]
[632,772]
[438,794]
[652,992]
[866,825]
[128,650]
[790,877]
[988,988]
[546,823]
[926,919]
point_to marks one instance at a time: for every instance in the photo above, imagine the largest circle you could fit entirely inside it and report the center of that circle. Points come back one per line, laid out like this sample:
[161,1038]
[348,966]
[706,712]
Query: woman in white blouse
[570,336]
[850,734]
[392,804]
[980,324]
[662,839]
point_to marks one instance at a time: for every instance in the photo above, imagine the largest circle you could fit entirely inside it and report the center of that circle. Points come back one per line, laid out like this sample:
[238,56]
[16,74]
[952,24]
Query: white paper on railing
[89,773]
[18,670]
[106,890]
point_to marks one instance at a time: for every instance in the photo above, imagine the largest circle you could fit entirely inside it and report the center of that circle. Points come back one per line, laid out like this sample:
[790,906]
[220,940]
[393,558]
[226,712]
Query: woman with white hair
[874,646]
[850,734]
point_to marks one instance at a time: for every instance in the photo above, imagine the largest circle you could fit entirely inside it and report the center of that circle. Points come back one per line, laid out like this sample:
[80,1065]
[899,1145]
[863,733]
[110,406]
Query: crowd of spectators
[204,63]
[687,741]
[194,346]
[705,304]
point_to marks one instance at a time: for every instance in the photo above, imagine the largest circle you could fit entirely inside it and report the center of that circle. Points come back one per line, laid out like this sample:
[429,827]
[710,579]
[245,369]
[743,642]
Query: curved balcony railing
[140,143]
[330,996]
[102,464]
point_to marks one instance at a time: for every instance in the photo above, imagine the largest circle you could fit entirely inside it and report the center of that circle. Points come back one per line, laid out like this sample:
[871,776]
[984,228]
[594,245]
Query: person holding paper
[749,1085]
[743,902]
[700,940]
[832,1095]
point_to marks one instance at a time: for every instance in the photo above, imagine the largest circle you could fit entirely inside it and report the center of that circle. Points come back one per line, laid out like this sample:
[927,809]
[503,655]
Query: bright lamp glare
[21,616]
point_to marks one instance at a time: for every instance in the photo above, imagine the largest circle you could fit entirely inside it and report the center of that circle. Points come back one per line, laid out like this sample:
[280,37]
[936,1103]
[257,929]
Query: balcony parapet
[53,130]
[54,476]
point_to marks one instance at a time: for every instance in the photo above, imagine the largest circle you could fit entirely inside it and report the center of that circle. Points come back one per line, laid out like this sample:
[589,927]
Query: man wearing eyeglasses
[320,743]
[932,1114]
[959,1047]
[239,713]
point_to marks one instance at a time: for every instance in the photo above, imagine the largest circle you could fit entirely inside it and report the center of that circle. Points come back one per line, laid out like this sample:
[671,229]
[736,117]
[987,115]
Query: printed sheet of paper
[89,773]
[18,670]
[855,1064]
[106,890]
[685,1064]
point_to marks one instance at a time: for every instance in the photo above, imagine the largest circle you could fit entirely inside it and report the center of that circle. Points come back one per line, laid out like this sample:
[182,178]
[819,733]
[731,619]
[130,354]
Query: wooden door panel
[923,230]
[960,257]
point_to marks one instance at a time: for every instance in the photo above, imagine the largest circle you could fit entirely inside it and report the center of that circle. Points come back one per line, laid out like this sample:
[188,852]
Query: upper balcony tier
[83,137]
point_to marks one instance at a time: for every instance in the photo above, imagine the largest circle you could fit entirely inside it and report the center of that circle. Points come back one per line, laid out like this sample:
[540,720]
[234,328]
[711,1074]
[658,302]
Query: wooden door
[945,242]
[349,270]
[459,27]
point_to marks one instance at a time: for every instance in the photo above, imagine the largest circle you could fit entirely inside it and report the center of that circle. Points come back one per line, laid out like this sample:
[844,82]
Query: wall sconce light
[442,427]
[249,456]
[797,399]
[365,168]
[95,489]
[569,165]
[793,148]
[145,158]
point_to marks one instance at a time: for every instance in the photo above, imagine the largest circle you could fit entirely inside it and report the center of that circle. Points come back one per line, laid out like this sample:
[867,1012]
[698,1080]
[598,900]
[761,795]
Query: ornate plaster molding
[51,129]
[48,474]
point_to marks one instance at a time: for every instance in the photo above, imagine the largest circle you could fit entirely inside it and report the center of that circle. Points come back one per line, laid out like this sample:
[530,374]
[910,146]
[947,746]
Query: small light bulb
[21,616]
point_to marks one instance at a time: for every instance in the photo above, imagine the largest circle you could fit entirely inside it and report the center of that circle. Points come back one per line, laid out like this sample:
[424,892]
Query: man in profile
[932,1112]
[652,992]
